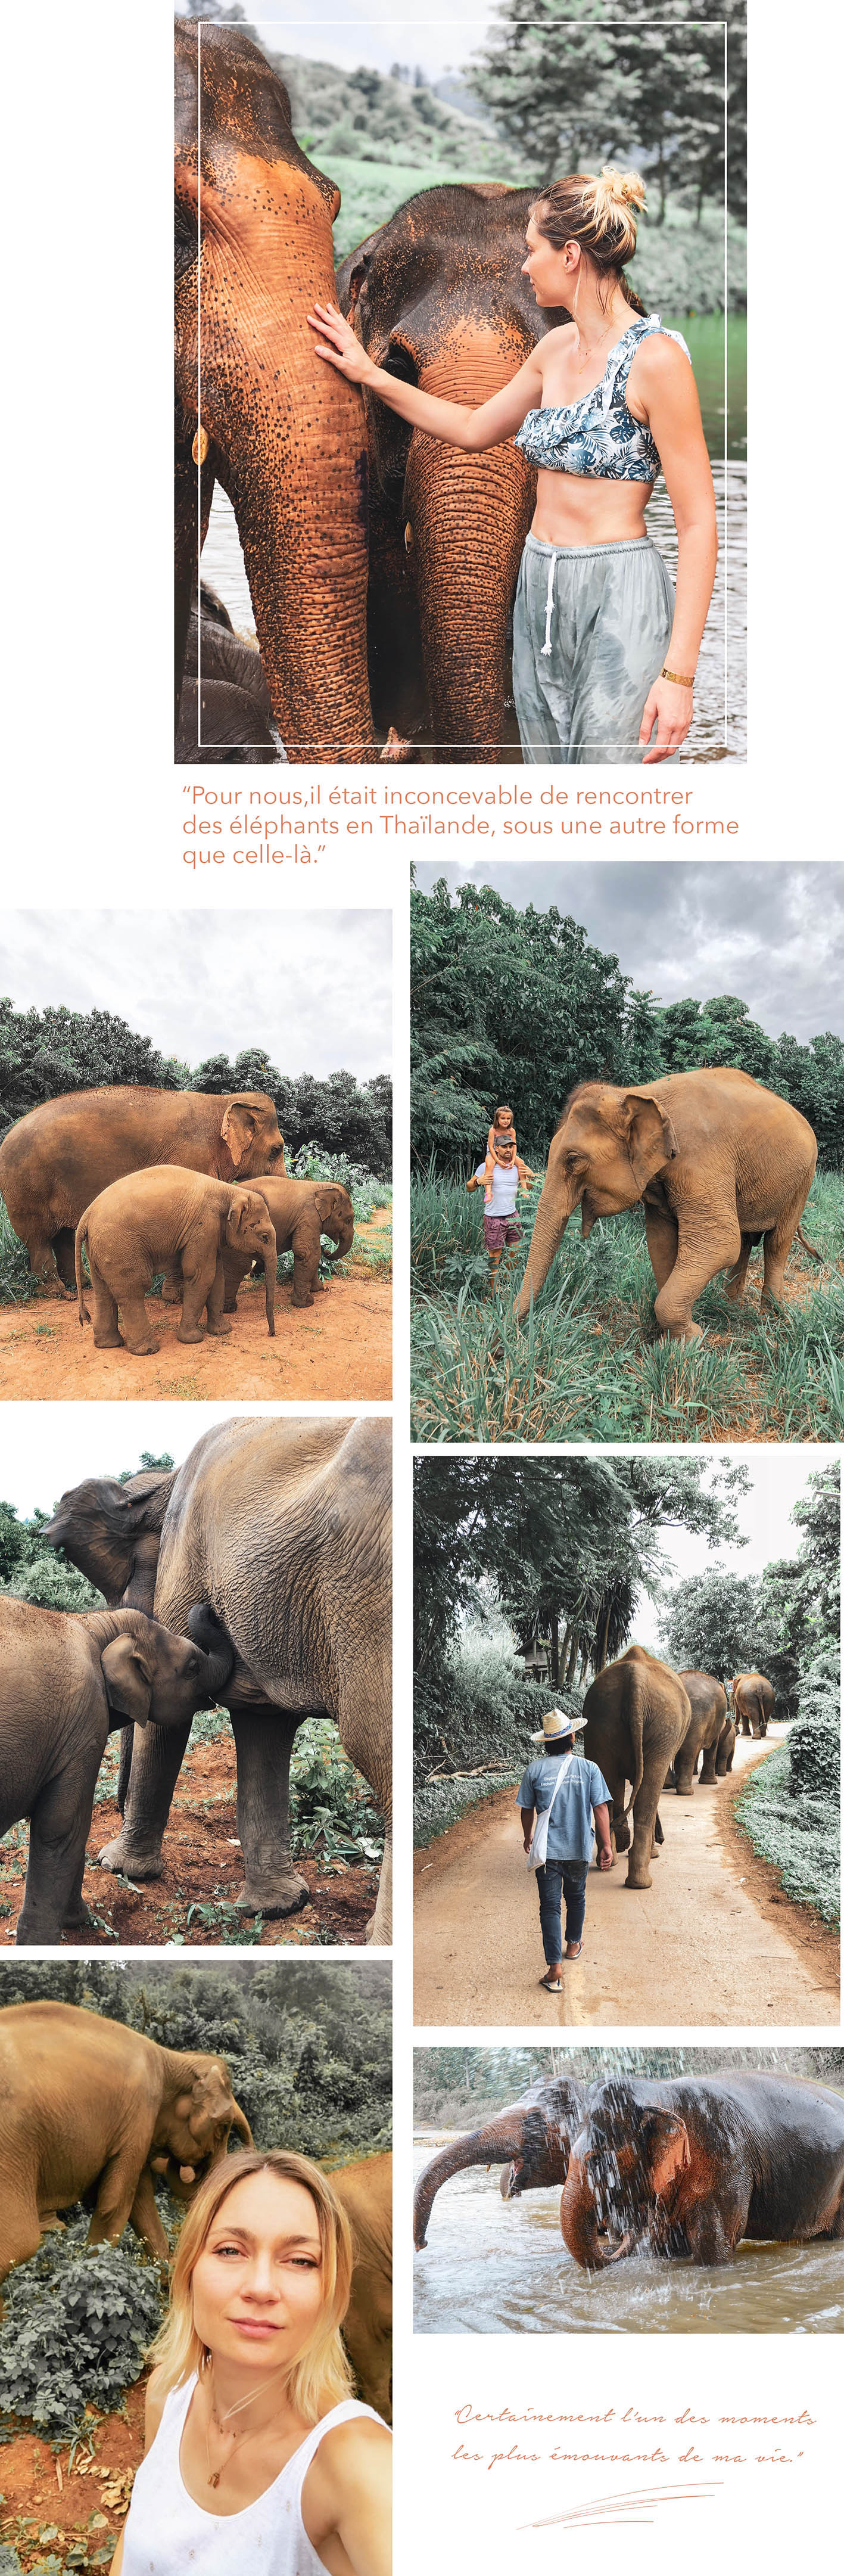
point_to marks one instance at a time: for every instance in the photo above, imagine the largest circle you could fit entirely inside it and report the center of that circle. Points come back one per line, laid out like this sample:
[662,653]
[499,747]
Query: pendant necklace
[220,2422]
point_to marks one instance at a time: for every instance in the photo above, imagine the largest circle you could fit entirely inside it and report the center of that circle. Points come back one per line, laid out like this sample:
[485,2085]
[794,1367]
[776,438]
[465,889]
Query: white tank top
[166,2534]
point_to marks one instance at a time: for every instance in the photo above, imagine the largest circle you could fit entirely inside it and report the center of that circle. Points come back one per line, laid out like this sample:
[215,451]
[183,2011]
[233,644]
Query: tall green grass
[587,1363]
[16,1281]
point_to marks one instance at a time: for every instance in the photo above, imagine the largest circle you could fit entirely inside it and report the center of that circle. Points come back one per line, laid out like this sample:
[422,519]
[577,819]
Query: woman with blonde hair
[256,2455]
[604,657]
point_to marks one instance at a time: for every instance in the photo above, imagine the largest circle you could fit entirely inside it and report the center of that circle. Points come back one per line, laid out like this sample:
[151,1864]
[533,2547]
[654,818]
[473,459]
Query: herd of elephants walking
[650,1726]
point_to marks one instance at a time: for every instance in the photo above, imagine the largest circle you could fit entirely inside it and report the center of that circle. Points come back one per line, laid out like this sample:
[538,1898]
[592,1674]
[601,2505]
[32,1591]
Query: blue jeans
[561,1878]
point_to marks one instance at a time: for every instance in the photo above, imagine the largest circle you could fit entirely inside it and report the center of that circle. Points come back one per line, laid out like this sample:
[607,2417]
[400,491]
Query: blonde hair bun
[620,188]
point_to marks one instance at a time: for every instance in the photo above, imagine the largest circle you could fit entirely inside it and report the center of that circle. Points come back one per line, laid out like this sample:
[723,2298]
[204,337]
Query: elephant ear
[238,1130]
[245,1208]
[649,1136]
[668,2151]
[127,1671]
[327,1203]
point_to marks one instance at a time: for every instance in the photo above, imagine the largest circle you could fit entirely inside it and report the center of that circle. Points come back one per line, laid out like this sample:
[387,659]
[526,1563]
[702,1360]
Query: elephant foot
[684,1793]
[143,1350]
[644,1879]
[170,1294]
[108,1342]
[81,1920]
[218,1331]
[281,1894]
[183,1336]
[302,1301]
[122,1855]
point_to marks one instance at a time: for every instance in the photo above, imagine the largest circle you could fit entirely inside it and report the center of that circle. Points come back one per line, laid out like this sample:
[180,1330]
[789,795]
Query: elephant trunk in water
[494,2145]
[580,2222]
[467,517]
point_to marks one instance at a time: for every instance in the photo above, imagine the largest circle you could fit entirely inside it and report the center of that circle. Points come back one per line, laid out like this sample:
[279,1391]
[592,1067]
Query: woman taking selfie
[256,2456]
[603,656]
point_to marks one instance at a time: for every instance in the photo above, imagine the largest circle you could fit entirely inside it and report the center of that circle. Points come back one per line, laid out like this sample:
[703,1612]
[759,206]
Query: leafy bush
[442,1802]
[800,1836]
[329,1801]
[77,2325]
[479,1713]
[814,1744]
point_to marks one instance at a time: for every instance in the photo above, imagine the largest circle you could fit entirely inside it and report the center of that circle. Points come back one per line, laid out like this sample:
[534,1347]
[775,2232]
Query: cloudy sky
[47,1447]
[778,1479]
[314,989]
[379,32]
[773,934]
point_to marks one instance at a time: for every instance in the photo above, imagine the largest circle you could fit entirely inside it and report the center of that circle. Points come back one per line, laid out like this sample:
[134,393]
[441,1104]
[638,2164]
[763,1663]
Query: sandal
[575,1962]
[552,1985]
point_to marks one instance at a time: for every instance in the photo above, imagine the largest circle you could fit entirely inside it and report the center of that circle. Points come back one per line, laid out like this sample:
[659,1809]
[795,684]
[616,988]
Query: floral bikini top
[598,435]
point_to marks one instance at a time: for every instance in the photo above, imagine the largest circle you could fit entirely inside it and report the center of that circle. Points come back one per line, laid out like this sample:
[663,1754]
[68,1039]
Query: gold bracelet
[677,678]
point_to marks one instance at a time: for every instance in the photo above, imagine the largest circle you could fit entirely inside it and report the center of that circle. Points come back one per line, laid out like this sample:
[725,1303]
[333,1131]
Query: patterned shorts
[499,1230]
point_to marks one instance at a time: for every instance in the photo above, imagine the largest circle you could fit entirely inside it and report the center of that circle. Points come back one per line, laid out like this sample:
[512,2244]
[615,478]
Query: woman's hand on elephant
[670,708]
[346,352]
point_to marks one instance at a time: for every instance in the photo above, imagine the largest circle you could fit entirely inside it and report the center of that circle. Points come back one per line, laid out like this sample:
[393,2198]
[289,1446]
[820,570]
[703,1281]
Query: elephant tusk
[199,449]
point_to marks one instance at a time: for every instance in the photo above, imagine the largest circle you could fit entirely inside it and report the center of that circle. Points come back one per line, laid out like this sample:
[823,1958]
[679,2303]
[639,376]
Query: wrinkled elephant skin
[719,1162]
[531,2139]
[637,1714]
[366,2192]
[692,2166]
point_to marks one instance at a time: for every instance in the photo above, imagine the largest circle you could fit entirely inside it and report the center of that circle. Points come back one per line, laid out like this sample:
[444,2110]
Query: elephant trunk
[580,2225]
[467,517]
[270,1269]
[241,2126]
[552,1217]
[494,2145]
[343,1242]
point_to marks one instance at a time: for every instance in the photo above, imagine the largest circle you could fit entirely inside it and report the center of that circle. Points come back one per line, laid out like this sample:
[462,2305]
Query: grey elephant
[67,1679]
[167,1218]
[291,1523]
[300,1213]
[708,1701]
[721,1164]
[91,2108]
[637,1714]
[57,1158]
[532,2139]
[754,1700]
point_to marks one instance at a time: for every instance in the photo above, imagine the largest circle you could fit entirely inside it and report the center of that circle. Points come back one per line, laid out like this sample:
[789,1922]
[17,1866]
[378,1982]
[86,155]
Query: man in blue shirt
[581,1803]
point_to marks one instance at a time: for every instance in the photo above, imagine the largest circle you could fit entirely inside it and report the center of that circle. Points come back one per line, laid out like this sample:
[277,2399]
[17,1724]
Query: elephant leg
[116,2194]
[685,1765]
[138,1334]
[78,1917]
[214,1303]
[264,1741]
[380,1925]
[708,1772]
[58,1831]
[736,1277]
[712,2233]
[661,1233]
[171,1286]
[777,1248]
[157,1756]
[304,1278]
[44,1267]
[21,2228]
[64,1248]
[703,1250]
[644,1842]
[199,1268]
[107,1336]
[619,1827]
[144,2218]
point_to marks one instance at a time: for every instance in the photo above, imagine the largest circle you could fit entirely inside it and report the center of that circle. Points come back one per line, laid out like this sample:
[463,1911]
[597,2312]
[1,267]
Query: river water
[719,731]
[500,2267]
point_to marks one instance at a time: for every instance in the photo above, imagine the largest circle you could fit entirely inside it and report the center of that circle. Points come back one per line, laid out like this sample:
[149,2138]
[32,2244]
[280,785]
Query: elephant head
[153,1676]
[283,432]
[625,2164]
[249,1228]
[532,2140]
[438,299]
[336,1217]
[251,1137]
[112,1533]
[197,2116]
[609,1145]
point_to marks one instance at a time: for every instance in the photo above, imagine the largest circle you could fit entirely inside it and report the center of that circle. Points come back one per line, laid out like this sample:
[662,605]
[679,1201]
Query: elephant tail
[807,1246]
[81,1237]
[636,1712]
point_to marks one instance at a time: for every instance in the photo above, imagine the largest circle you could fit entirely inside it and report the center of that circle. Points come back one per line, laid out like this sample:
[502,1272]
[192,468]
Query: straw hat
[557,1724]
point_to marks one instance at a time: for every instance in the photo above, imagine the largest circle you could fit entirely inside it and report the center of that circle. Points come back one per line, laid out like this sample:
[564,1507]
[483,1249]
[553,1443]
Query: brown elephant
[437,297]
[282,433]
[532,2139]
[366,2193]
[726,1748]
[301,1212]
[637,1714]
[291,1522]
[88,2106]
[67,1678]
[690,2166]
[703,1736]
[160,1219]
[719,1161]
[754,1699]
[59,1157]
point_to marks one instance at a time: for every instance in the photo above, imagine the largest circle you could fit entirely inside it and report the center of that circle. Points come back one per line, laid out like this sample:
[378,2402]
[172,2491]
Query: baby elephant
[301,1211]
[167,1216]
[66,1679]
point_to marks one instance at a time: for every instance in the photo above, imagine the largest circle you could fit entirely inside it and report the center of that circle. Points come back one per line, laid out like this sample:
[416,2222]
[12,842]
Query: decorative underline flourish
[613,2509]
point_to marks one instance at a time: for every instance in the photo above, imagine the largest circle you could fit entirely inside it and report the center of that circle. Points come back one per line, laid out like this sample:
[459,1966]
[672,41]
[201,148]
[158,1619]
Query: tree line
[44,1053]
[520,1006]
[579,83]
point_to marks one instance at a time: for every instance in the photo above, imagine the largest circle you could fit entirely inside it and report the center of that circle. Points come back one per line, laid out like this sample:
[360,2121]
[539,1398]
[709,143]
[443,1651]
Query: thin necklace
[220,2421]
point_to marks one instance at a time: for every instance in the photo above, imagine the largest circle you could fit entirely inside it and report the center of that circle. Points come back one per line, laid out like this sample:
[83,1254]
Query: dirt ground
[338,1348]
[48,2506]
[203,1867]
[713,1940]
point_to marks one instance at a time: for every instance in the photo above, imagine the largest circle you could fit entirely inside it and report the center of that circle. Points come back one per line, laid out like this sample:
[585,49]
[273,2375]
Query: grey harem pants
[590,633]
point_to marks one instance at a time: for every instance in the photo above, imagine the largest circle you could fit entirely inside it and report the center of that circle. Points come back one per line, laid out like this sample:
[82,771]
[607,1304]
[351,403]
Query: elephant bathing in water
[89,2108]
[693,2165]
[720,1163]
[438,298]
[637,1716]
[532,2139]
[285,436]
[290,1522]
[754,1699]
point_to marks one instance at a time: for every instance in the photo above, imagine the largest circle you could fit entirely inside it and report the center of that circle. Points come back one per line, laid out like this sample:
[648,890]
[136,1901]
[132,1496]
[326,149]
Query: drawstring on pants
[549,604]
